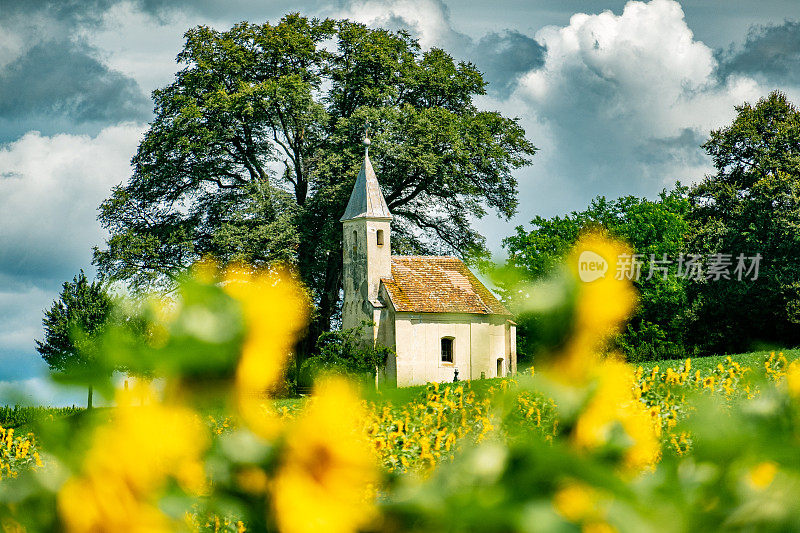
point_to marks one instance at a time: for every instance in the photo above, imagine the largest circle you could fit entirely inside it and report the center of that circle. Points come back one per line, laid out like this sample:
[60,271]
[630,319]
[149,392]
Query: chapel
[435,315]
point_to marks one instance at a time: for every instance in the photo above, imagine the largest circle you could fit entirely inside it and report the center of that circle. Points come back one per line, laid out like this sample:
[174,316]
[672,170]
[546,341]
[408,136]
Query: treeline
[717,264]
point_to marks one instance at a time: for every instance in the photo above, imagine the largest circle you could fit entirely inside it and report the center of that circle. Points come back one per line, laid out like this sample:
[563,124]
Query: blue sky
[617,95]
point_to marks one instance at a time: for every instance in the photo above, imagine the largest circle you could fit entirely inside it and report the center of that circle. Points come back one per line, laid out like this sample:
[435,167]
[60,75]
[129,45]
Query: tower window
[447,349]
[380,237]
[355,241]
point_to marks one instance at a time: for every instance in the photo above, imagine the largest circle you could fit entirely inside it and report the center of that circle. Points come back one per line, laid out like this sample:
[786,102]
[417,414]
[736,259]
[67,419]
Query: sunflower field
[585,442]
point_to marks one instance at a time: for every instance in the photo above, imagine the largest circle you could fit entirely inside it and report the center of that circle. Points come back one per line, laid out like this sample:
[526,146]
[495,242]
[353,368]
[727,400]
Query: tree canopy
[750,206]
[654,229]
[749,209]
[78,316]
[255,147]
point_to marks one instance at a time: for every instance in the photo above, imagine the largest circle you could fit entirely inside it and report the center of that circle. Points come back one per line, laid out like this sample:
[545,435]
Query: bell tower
[366,246]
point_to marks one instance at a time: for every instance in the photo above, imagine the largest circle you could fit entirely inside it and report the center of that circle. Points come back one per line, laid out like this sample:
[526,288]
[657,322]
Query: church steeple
[366,247]
[366,200]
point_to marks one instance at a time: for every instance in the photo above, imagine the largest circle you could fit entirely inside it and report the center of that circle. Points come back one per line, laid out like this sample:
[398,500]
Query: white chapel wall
[479,341]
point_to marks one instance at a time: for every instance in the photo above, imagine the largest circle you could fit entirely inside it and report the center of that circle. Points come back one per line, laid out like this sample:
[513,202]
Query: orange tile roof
[434,284]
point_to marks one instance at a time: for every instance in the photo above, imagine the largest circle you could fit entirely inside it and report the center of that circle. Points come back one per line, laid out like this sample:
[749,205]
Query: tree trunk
[89,401]
[331,290]
[328,300]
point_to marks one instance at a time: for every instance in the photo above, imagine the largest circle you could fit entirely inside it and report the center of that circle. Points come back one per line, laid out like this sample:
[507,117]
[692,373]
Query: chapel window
[355,241]
[447,349]
[380,237]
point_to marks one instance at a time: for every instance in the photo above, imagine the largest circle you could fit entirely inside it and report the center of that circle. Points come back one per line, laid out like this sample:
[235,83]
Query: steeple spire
[366,200]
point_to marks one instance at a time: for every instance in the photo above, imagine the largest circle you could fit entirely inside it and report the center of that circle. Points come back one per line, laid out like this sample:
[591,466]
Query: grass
[23,417]
[755,359]
[751,359]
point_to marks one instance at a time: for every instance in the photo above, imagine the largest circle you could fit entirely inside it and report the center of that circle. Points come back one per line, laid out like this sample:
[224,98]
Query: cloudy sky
[617,95]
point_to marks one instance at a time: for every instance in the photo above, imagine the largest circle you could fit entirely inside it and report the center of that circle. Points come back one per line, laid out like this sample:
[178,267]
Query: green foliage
[750,205]
[80,313]
[735,477]
[344,352]
[649,342]
[71,325]
[196,333]
[257,95]
[17,416]
[529,453]
[652,228]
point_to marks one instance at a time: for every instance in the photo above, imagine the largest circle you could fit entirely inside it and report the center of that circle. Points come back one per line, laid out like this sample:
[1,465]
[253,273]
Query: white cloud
[620,106]
[647,52]
[428,20]
[50,188]
[642,70]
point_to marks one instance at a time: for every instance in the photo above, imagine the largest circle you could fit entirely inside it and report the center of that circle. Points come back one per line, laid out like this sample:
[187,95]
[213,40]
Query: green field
[751,359]
[22,418]
[404,395]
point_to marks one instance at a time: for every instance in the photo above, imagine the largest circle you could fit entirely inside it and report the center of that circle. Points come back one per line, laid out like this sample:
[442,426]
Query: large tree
[751,205]
[255,147]
[654,229]
[71,325]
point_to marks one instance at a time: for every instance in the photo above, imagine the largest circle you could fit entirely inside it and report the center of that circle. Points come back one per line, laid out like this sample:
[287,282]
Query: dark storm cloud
[771,51]
[679,149]
[65,11]
[503,57]
[91,12]
[52,80]
[233,10]
[88,12]
[65,79]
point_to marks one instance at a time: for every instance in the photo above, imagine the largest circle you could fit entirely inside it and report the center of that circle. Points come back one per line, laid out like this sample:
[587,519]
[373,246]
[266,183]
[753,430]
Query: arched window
[380,237]
[447,349]
[355,241]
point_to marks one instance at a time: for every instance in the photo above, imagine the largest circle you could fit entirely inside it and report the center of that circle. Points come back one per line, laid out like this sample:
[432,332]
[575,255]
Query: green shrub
[649,342]
[344,352]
